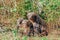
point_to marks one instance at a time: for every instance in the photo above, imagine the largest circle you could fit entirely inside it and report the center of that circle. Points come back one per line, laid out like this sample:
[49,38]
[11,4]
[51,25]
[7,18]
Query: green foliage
[50,10]
[43,38]
[13,10]
[24,38]
[23,7]
[15,35]
[28,5]
[1,7]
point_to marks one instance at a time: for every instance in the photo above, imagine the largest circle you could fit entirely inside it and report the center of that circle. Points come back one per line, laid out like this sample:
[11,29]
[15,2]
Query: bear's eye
[34,17]
[20,22]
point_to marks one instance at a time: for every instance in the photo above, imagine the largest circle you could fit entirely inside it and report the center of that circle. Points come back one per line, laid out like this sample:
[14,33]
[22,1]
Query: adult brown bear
[37,21]
[26,26]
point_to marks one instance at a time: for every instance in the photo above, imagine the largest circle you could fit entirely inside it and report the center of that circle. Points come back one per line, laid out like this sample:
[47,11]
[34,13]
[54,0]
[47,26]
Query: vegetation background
[11,10]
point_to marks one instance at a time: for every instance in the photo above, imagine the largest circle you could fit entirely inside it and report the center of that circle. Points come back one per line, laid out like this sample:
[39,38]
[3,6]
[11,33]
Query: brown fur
[38,23]
[26,26]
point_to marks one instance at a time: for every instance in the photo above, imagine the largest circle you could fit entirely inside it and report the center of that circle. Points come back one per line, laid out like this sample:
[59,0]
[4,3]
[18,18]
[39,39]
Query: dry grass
[54,35]
[8,19]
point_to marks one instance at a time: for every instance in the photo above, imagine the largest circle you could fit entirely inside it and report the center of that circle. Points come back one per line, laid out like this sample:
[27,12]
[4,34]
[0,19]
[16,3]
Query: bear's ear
[19,21]
[28,23]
